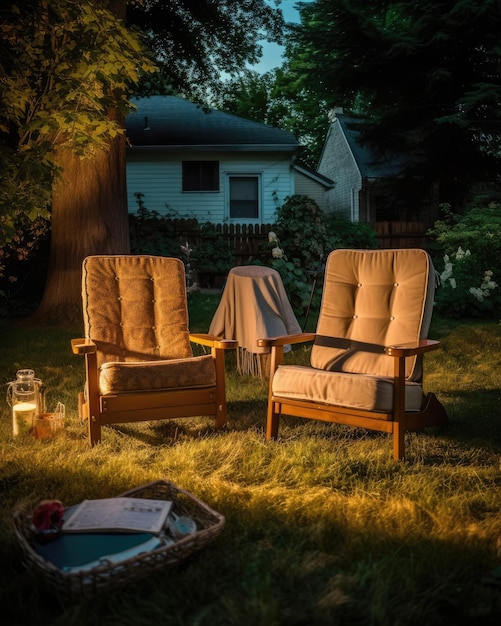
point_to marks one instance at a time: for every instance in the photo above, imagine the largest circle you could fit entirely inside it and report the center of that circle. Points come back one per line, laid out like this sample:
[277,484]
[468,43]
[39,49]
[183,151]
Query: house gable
[338,163]
[360,176]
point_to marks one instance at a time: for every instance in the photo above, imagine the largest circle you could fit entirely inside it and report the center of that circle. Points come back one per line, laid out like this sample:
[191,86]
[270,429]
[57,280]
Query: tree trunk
[89,216]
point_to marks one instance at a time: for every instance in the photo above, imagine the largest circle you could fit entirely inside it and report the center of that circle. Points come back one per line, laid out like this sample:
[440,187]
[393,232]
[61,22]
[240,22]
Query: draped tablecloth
[254,305]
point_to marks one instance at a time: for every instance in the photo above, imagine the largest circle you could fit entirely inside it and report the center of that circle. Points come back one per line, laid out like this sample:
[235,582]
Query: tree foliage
[272,99]
[67,69]
[425,76]
[196,41]
[64,65]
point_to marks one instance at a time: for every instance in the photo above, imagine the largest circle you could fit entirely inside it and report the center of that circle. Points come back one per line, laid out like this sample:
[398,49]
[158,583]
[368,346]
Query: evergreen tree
[425,76]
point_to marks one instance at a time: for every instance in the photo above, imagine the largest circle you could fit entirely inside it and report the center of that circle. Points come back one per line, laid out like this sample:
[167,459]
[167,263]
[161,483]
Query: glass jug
[25,396]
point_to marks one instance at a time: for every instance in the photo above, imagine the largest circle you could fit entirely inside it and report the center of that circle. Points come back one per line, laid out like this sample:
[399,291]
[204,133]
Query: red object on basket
[48,515]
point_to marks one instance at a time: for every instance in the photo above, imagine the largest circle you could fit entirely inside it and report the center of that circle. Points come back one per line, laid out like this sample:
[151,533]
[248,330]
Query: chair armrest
[410,349]
[285,340]
[213,341]
[83,346]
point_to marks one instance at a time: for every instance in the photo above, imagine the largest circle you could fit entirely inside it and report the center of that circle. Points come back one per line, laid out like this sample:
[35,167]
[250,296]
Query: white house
[195,162]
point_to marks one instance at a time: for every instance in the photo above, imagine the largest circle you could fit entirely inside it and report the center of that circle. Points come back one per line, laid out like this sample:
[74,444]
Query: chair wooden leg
[221,415]
[398,441]
[93,404]
[273,417]
[221,408]
[399,421]
[432,413]
[94,430]
[273,420]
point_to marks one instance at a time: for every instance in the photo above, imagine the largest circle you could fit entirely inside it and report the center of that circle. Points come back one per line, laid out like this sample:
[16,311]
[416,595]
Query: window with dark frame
[244,197]
[200,175]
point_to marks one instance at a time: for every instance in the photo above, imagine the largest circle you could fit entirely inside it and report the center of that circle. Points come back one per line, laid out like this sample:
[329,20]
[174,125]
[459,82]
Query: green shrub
[341,233]
[308,234]
[150,232]
[470,262]
[300,225]
[303,237]
[23,267]
[205,255]
[212,254]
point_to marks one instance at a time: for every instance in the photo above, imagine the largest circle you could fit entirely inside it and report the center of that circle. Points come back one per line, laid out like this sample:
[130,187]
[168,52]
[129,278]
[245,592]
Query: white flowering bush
[470,263]
[276,251]
[486,288]
[459,294]
[294,277]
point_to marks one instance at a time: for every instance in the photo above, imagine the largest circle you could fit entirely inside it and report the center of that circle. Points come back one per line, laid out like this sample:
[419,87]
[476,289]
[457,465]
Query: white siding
[338,164]
[305,186]
[157,175]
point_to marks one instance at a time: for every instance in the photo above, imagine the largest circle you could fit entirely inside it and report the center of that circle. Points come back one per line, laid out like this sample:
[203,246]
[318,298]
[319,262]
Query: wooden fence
[401,234]
[245,240]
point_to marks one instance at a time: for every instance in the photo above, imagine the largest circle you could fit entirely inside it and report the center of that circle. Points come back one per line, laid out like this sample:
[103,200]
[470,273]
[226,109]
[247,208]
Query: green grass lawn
[322,526]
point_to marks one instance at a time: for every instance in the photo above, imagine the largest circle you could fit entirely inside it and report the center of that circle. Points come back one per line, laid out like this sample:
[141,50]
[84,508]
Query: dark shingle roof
[369,165]
[178,123]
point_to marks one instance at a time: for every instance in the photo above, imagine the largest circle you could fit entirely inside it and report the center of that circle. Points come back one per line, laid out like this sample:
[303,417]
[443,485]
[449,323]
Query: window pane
[244,197]
[200,176]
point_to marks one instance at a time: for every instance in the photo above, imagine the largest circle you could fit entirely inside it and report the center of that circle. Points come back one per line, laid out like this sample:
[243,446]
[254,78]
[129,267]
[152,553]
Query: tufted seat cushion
[363,310]
[135,311]
[371,393]
[117,377]
[135,308]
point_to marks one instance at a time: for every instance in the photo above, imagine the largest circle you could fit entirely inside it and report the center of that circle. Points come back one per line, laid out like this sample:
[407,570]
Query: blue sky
[272,53]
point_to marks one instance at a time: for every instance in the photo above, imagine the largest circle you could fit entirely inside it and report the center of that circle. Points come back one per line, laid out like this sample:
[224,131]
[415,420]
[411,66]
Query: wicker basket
[73,585]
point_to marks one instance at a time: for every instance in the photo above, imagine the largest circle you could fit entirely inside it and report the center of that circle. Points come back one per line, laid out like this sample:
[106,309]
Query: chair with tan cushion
[137,346]
[366,359]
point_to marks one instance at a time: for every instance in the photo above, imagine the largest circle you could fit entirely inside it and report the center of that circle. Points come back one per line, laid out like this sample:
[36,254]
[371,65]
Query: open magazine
[119,514]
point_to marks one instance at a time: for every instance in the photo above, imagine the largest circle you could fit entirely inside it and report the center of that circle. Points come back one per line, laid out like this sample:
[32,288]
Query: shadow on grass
[281,562]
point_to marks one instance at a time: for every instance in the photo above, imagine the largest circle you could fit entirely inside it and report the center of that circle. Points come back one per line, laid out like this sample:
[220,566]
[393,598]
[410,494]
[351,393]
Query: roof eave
[219,148]
[316,176]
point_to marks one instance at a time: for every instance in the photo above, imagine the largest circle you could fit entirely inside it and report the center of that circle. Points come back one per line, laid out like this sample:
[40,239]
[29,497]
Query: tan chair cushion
[135,308]
[155,375]
[364,309]
[370,393]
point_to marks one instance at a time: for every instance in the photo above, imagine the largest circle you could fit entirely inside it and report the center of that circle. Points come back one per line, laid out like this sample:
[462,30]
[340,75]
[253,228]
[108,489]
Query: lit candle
[23,416]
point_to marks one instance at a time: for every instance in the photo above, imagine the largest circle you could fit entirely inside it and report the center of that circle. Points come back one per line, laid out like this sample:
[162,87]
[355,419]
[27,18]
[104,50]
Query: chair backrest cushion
[372,299]
[135,307]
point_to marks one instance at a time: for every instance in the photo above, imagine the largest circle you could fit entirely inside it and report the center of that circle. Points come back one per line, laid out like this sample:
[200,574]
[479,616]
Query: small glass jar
[24,398]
